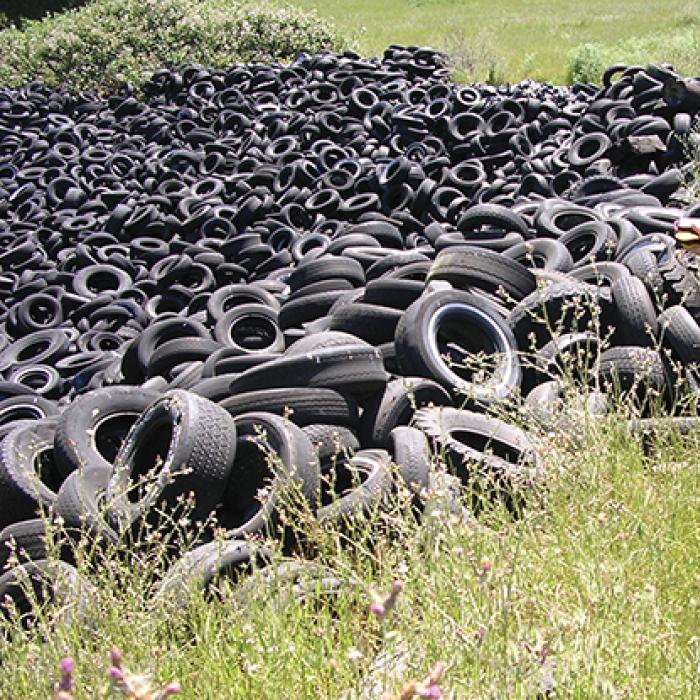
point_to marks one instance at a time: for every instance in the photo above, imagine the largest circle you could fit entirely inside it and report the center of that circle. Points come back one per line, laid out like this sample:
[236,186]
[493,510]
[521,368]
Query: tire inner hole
[487,445]
[253,332]
[240,501]
[344,478]
[459,343]
[45,468]
[110,433]
[40,312]
[149,455]
[102,281]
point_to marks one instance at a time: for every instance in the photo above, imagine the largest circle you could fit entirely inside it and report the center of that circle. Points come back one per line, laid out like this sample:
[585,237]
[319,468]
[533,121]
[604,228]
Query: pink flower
[66,667]
[378,609]
[381,607]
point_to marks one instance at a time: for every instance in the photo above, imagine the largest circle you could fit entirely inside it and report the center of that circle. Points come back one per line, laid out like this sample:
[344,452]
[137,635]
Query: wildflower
[485,566]
[382,606]
[64,687]
[137,686]
[428,688]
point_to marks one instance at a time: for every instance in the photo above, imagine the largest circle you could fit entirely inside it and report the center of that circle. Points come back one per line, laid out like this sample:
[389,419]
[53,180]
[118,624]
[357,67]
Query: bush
[682,49]
[110,42]
[587,63]
[17,10]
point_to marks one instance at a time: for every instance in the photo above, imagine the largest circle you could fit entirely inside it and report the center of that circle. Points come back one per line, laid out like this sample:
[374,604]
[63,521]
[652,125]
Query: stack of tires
[260,281]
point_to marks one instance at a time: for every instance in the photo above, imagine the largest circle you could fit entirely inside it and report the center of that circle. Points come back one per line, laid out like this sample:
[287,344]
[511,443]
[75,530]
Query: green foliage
[587,63]
[679,48]
[110,42]
[17,10]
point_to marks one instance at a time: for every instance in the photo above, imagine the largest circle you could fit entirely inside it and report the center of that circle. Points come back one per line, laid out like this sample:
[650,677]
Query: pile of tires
[256,279]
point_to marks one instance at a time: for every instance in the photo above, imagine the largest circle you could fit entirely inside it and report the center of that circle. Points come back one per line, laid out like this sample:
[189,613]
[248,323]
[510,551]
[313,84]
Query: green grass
[521,38]
[596,589]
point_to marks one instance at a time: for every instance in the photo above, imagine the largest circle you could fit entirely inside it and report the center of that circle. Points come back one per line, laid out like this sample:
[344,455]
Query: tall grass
[530,38]
[592,592]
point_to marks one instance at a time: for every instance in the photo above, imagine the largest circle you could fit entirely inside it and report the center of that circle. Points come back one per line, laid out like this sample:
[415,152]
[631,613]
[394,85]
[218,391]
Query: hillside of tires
[311,279]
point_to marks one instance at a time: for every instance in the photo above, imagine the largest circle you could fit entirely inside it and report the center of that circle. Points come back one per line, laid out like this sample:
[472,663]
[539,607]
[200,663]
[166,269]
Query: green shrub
[681,49]
[109,42]
[17,10]
[587,63]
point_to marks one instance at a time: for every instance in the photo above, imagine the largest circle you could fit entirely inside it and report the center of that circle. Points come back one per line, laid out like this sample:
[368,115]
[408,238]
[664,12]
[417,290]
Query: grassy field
[519,38]
[595,592]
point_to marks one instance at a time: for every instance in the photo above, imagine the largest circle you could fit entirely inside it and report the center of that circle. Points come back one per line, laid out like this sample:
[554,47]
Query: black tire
[327,267]
[542,253]
[41,379]
[356,369]
[600,273]
[544,403]
[200,569]
[410,450]
[643,265]
[634,312]
[177,352]
[250,328]
[271,454]
[226,298]
[590,242]
[555,221]
[424,334]
[216,389]
[373,324]
[50,581]
[306,580]
[36,312]
[359,486]
[28,475]
[227,361]
[322,340]
[303,406]
[395,293]
[91,430]
[634,373]
[184,444]
[394,261]
[562,307]
[139,352]
[40,347]
[545,397]
[333,443]
[646,427]
[185,375]
[653,219]
[495,217]
[94,280]
[22,542]
[295,312]
[680,283]
[679,332]
[468,267]
[588,148]
[571,355]
[81,505]
[396,405]
[495,457]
